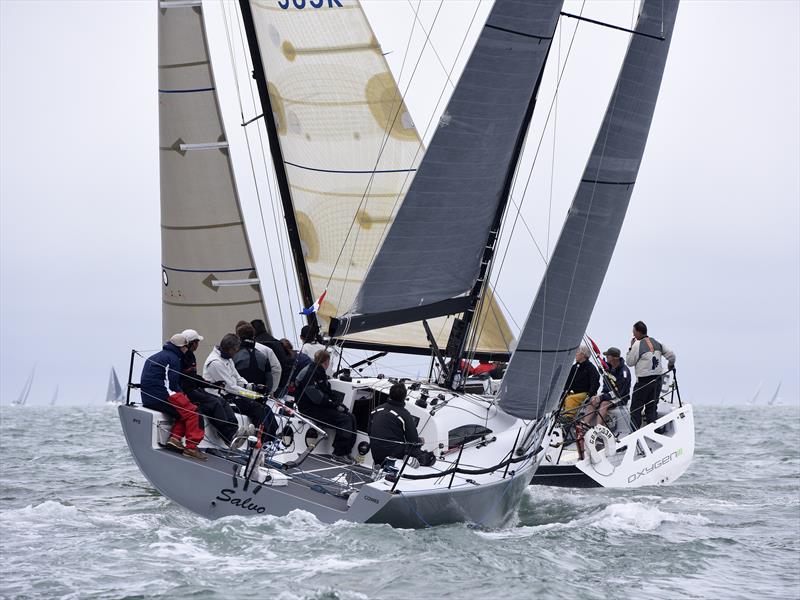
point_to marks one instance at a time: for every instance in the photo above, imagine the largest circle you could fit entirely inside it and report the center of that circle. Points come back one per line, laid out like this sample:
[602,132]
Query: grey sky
[709,256]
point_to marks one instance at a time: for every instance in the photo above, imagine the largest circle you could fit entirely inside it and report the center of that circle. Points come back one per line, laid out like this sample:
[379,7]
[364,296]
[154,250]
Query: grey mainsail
[208,273]
[572,281]
[114,392]
[431,258]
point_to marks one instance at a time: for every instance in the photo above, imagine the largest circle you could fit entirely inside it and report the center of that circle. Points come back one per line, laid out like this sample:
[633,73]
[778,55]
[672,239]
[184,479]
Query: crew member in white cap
[219,412]
[167,365]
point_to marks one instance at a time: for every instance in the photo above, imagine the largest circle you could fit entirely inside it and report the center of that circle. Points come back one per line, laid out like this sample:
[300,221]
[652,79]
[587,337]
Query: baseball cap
[191,335]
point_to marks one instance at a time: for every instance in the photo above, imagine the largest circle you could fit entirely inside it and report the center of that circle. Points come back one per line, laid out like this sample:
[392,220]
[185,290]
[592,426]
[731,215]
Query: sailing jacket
[280,353]
[583,377]
[154,373]
[622,382]
[217,368]
[267,369]
[308,399]
[645,354]
[392,431]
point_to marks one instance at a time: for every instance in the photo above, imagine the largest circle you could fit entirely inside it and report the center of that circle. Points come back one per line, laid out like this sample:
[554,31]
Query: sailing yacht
[397,240]
[114,393]
[26,390]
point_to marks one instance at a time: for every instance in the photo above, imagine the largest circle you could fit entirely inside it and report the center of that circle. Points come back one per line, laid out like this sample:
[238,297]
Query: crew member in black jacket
[583,381]
[392,432]
[316,401]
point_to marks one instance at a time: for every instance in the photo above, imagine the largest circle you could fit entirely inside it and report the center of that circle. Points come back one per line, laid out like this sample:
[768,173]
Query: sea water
[78,520]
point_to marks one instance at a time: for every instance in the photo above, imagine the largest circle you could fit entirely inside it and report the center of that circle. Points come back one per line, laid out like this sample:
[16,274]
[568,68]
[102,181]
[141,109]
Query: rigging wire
[403,190]
[234,68]
[264,159]
[518,216]
[386,135]
[610,114]
[401,193]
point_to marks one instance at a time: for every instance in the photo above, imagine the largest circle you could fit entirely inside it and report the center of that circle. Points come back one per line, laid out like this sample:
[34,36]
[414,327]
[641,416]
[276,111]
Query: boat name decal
[228,495]
[659,463]
[371,499]
[300,4]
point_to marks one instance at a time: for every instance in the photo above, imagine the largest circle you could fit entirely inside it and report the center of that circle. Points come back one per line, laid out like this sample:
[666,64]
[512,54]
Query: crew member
[583,381]
[645,356]
[616,388]
[316,401]
[219,367]
[219,411]
[166,364]
[265,337]
[310,342]
[256,362]
[392,432]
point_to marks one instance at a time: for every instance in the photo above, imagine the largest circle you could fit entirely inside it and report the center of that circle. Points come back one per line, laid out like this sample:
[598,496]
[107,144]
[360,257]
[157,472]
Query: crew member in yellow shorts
[583,381]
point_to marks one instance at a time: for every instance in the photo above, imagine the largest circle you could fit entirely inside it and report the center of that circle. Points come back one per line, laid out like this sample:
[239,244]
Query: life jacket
[251,364]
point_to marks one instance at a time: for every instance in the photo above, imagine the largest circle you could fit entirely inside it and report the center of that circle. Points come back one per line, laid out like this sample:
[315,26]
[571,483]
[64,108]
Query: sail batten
[436,249]
[564,302]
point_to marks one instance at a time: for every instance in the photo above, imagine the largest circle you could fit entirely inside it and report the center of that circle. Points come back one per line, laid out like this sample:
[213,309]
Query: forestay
[350,150]
[208,274]
[431,258]
[572,281]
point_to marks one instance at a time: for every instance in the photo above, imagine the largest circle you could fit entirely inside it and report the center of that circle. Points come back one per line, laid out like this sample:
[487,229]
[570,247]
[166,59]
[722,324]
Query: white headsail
[349,151]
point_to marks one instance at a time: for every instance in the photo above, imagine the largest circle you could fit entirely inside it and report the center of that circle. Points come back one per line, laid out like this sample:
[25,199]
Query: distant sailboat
[114,394]
[775,395]
[26,390]
[758,392]
[54,399]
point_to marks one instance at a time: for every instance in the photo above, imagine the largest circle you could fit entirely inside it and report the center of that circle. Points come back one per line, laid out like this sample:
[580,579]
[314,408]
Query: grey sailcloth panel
[431,256]
[572,281]
[209,280]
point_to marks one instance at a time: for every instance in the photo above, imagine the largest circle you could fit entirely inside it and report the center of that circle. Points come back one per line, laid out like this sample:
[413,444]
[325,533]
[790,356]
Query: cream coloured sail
[209,281]
[350,151]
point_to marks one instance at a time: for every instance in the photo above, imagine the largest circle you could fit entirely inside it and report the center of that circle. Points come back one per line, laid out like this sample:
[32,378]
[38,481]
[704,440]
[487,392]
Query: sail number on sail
[284,4]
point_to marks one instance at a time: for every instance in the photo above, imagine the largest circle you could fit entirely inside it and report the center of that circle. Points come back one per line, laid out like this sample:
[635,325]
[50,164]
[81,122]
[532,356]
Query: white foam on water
[44,515]
[325,563]
[639,517]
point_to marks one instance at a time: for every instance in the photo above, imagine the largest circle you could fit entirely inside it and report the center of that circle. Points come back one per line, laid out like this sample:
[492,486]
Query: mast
[277,160]
[437,252]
